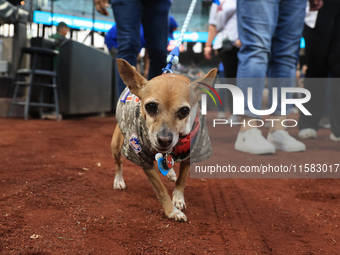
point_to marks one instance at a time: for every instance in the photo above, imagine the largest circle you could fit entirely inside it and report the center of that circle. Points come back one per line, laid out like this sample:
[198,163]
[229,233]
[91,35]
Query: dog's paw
[171,175]
[178,200]
[177,215]
[119,183]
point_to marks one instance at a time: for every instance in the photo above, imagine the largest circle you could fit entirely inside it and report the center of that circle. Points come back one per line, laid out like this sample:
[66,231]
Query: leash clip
[164,163]
[171,59]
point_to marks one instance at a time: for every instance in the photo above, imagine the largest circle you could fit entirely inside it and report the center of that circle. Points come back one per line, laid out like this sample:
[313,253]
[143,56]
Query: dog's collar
[183,144]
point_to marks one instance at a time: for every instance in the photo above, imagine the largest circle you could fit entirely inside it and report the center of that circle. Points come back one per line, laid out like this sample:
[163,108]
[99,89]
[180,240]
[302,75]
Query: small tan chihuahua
[160,116]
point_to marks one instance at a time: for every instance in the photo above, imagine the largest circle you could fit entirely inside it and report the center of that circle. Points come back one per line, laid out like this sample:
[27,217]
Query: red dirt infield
[56,197]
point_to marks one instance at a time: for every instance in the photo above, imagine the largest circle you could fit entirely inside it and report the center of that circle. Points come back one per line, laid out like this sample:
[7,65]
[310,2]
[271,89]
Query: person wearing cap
[60,36]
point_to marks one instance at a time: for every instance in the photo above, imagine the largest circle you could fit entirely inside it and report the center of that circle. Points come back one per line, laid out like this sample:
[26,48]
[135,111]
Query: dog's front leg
[178,194]
[170,210]
[116,146]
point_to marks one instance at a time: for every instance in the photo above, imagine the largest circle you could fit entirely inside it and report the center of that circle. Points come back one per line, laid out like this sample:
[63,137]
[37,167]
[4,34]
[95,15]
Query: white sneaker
[252,141]
[334,138]
[307,133]
[283,141]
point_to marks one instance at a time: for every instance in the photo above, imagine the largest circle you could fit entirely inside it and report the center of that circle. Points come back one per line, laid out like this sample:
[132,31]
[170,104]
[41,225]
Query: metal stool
[32,74]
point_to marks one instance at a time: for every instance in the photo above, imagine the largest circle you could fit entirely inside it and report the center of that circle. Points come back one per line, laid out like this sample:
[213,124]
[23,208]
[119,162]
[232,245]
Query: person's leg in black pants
[155,22]
[128,16]
[230,62]
[316,58]
[334,63]
[320,44]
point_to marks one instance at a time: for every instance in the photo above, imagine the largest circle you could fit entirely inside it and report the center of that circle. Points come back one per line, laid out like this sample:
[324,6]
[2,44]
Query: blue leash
[173,58]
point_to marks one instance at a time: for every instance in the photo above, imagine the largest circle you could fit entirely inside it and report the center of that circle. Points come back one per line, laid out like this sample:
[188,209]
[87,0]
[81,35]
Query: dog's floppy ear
[134,80]
[207,79]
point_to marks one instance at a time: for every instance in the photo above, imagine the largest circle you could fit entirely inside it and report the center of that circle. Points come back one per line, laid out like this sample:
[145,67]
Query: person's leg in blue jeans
[261,26]
[285,46]
[154,15]
[155,23]
[282,67]
[256,27]
[128,17]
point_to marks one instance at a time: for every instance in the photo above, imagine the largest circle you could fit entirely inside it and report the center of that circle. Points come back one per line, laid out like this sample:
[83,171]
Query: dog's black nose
[164,137]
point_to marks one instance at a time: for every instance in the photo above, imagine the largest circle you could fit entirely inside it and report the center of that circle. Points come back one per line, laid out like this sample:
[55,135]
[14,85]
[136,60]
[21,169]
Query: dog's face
[167,104]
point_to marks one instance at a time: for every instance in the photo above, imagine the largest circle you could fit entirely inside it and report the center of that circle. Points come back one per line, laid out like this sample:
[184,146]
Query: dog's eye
[183,112]
[151,108]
